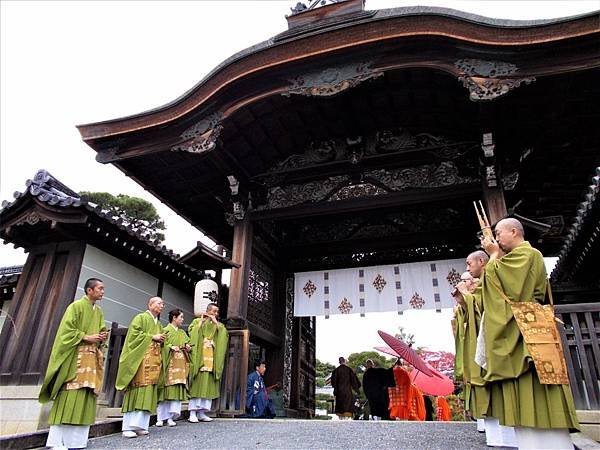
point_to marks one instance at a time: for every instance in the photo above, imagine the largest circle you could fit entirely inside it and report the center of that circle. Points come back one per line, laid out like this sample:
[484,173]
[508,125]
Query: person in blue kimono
[258,404]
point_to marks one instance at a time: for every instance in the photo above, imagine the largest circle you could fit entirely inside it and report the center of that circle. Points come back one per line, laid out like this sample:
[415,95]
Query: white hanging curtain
[395,287]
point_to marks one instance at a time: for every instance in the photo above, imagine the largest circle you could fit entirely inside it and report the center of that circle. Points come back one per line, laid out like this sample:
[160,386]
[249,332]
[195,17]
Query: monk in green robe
[75,370]
[541,413]
[209,339]
[172,387]
[139,369]
[476,391]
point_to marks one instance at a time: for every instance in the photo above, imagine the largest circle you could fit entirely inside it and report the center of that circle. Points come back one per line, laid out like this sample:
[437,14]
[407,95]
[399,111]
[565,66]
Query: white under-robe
[199,404]
[543,438]
[136,421]
[168,409]
[69,436]
[497,435]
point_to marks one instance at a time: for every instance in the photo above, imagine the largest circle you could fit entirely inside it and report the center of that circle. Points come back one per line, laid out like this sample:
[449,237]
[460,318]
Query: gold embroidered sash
[537,324]
[179,367]
[208,353]
[90,369]
[149,370]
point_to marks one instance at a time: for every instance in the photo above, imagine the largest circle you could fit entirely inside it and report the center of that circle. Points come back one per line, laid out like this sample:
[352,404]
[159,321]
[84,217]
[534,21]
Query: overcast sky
[69,63]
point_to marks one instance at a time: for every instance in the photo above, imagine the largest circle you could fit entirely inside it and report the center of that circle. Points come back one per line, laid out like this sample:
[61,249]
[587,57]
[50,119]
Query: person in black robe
[344,381]
[376,381]
[428,408]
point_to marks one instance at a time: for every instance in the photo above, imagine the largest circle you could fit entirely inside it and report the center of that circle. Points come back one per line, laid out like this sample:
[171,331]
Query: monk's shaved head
[154,300]
[466,276]
[476,261]
[509,234]
[510,223]
[479,254]
[469,280]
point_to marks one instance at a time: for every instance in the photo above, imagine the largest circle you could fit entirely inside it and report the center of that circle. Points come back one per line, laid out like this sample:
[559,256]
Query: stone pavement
[302,434]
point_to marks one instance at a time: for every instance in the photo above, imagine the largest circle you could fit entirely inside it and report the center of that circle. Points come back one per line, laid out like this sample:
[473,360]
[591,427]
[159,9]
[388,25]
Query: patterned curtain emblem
[309,288]
[345,306]
[416,301]
[453,277]
[379,283]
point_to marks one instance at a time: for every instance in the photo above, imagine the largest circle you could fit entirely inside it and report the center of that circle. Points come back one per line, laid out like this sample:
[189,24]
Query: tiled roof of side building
[584,235]
[47,189]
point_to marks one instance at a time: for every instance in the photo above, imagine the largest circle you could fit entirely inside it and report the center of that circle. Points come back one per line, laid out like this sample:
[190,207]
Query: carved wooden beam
[331,81]
[488,80]
[415,196]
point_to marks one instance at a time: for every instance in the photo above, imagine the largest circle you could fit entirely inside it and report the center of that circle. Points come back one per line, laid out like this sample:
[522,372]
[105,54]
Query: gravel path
[302,434]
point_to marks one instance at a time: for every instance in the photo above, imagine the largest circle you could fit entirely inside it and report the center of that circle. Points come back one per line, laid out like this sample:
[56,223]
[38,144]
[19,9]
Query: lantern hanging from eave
[207,291]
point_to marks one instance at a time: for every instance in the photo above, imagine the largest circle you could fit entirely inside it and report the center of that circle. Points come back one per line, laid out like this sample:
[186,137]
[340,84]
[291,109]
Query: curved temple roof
[400,22]
[389,93]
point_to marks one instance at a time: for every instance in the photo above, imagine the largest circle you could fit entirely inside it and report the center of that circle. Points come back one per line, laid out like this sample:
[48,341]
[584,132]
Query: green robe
[459,339]
[138,339]
[76,406]
[477,396]
[517,396]
[206,384]
[173,337]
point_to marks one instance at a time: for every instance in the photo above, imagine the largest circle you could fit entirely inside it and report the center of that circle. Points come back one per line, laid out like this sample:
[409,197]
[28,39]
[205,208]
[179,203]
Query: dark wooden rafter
[403,158]
[397,199]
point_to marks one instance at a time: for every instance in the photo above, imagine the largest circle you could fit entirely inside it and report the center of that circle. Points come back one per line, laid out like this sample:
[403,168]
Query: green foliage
[323,397]
[457,407]
[323,369]
[324,405]
[323,401]
[134,211]
[357,361]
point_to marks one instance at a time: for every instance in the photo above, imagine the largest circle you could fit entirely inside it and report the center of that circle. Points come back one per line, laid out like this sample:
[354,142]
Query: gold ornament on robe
[208,351]
[537,324]
[179,367]
[90,369]
[538,327]
[149,370]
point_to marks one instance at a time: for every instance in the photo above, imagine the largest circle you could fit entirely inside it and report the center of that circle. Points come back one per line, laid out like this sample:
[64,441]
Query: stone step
[589,420]
[104,412]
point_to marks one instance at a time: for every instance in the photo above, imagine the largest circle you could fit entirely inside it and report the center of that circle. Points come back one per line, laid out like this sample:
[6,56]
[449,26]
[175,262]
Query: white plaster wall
[127,288]
[175,298]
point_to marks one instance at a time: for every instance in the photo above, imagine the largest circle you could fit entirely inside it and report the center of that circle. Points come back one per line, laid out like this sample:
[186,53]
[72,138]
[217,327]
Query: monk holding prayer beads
[208,338]
[75,370]
[139,369]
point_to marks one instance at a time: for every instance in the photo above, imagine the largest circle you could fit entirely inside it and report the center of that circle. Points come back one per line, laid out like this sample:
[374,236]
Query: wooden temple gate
[359,138]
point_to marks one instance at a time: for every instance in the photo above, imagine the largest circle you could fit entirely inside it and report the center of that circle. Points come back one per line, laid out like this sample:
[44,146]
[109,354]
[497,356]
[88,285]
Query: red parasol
[387,350]
[406,352]
[440,384]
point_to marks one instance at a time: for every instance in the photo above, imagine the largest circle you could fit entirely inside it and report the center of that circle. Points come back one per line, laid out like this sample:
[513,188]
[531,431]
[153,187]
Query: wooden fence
[581,344]
[110,395]
[232,399]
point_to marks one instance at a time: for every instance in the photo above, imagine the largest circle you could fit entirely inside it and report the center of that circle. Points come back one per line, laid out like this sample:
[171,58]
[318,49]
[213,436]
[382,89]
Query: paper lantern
[207,291]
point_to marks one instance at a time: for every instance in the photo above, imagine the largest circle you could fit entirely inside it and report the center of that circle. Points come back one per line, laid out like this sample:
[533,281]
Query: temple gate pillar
[233,384]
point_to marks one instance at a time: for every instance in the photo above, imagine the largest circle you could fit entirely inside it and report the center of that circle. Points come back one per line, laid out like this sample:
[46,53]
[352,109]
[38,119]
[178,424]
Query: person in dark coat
[258,403]
[428,408]
[376,380]
[344,381]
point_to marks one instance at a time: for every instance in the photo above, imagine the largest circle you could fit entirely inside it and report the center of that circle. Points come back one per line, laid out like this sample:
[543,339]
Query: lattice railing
[260,294]
[581,342]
